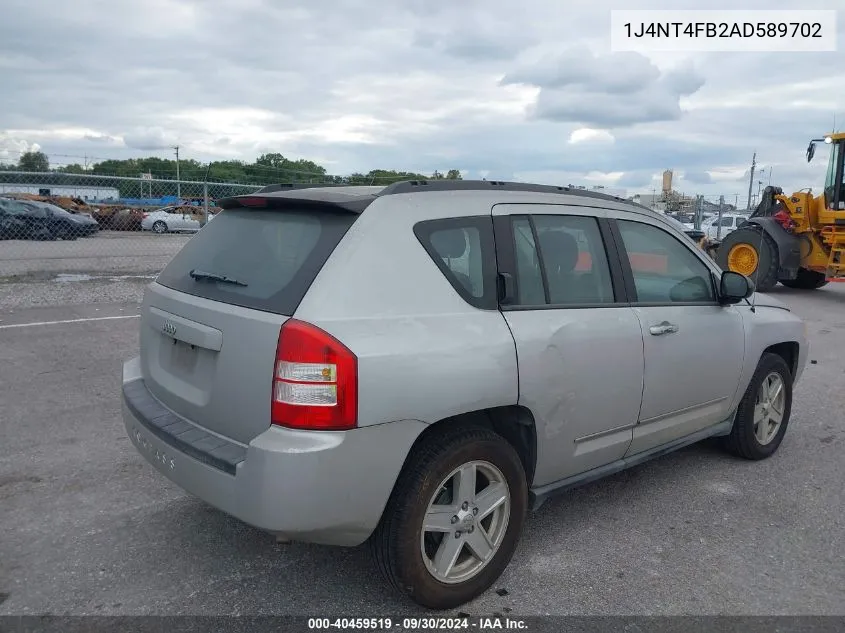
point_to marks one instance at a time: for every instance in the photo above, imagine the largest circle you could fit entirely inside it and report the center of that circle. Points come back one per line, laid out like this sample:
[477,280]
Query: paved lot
[113,251]
[89,528]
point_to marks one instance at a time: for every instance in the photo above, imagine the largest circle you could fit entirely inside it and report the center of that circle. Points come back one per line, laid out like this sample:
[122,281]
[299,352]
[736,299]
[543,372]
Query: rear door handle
[663,328]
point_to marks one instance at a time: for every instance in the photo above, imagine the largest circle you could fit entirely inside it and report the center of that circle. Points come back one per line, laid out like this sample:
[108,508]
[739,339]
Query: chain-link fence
[56,222]
[53,222]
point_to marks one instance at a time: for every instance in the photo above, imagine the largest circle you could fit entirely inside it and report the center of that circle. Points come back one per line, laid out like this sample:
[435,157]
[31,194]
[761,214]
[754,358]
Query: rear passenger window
[664,269]
[571,261]
[464,252]
[529,277]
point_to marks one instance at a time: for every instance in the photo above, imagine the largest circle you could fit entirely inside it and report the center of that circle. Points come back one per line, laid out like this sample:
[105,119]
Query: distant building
[667,181]
[611,191]
[654,201]
[84,192]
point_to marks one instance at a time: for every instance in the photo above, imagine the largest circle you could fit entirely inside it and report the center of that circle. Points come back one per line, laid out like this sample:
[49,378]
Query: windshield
[49,208]
[12,207]
[829,180]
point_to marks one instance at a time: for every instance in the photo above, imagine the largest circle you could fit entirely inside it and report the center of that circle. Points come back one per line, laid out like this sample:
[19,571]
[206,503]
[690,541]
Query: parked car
[688,220]
[691,231]
[13,220]
[127,220]
[174,220]
[418,365]
[729,222]
[26,219]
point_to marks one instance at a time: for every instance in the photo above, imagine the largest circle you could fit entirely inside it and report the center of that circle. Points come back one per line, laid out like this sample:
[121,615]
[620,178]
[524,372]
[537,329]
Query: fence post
[205,201]
[719,221]
[697,217]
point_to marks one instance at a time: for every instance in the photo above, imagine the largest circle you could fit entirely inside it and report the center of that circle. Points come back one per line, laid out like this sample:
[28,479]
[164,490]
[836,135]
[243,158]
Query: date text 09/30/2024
[419,624]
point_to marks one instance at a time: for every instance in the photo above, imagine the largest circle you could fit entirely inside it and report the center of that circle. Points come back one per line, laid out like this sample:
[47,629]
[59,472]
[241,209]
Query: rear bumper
[320,487]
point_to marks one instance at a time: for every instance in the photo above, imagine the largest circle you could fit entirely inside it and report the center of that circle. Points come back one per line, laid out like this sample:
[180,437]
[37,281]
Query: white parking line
[108,318]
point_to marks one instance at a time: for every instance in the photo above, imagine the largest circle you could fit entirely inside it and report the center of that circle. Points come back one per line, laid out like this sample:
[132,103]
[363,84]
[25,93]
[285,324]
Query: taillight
[252,201]
[315,380]
[144,216]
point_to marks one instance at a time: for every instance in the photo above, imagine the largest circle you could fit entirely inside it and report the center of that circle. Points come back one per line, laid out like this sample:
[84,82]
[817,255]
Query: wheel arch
[771,328]
[514,423]
[789,351]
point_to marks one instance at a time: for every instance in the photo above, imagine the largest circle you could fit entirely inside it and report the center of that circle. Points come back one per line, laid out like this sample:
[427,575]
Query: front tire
[806,280]
[750,251]
[763,413]
[454,518]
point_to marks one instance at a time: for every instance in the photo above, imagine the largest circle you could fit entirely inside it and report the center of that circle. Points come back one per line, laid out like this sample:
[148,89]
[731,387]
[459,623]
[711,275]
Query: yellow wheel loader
[798,239]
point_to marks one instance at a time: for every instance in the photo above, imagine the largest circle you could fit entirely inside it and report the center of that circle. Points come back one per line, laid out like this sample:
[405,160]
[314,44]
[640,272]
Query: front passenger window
[664,269]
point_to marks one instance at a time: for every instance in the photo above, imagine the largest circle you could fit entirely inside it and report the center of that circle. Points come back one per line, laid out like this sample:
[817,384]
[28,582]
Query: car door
[693,346]
[37,222]
[722,227]
[191,219]
[579,345]
[176,219]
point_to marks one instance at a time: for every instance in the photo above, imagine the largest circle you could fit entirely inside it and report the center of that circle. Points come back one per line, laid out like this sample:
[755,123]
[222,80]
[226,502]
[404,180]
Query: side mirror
[811,151]
[734,287]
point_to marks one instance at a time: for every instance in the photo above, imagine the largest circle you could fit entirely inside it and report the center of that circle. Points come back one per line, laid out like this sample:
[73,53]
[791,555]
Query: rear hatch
[210,323]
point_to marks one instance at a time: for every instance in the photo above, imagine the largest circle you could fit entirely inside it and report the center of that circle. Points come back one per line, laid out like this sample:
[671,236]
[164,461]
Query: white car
[173,220]
[728,223]
[705,218]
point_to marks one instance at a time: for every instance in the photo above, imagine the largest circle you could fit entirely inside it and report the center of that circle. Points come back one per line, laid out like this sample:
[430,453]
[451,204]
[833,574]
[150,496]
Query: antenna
[753,301]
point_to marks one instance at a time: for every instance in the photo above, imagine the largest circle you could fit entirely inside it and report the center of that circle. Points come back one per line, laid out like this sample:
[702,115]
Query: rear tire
[754,434]
[417,562]
[806,280]
[750,251]
[159,227]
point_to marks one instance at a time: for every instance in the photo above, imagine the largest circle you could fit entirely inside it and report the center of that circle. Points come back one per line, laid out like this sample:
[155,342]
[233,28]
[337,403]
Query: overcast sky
[506,90]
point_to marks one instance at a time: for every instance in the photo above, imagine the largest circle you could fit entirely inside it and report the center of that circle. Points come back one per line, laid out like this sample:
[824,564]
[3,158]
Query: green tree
[74,168]
[292,170]
[452,174]
[34,161]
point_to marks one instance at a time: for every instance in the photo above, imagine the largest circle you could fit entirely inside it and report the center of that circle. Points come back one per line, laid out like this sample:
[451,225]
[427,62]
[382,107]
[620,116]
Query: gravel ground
[90,528]
[51,289]
[113,252]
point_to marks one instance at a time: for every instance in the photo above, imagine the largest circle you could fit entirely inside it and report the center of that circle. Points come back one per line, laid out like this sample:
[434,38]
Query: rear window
[463,250]
[275,255]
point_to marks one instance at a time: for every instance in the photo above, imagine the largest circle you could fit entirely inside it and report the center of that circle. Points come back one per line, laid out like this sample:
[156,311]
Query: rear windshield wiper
[200,275]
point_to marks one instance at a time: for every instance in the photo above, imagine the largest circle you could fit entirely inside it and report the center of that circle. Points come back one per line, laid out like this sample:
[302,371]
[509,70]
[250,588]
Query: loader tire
[806,280]
[750,251]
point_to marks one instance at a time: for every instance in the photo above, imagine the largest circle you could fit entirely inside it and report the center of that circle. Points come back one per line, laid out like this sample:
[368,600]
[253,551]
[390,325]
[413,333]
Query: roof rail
[293,186]
[414,186]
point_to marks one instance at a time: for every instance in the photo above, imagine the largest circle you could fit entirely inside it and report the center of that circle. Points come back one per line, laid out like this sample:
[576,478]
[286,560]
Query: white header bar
[723,31]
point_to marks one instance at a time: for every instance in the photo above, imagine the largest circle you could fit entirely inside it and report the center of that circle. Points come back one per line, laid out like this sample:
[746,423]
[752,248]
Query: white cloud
[154,138]
[476,85]
[617,89]
[589,135]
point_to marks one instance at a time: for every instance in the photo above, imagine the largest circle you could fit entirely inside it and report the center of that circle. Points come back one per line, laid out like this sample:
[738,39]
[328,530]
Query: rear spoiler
[289,199]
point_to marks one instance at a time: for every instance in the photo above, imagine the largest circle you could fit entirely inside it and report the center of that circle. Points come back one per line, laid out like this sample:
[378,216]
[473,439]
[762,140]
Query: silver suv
[418,365]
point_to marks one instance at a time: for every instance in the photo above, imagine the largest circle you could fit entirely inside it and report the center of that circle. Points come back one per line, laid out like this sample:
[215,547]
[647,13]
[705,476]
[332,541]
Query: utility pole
[178,184]
[719,221]
[751,180]
[699,203]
